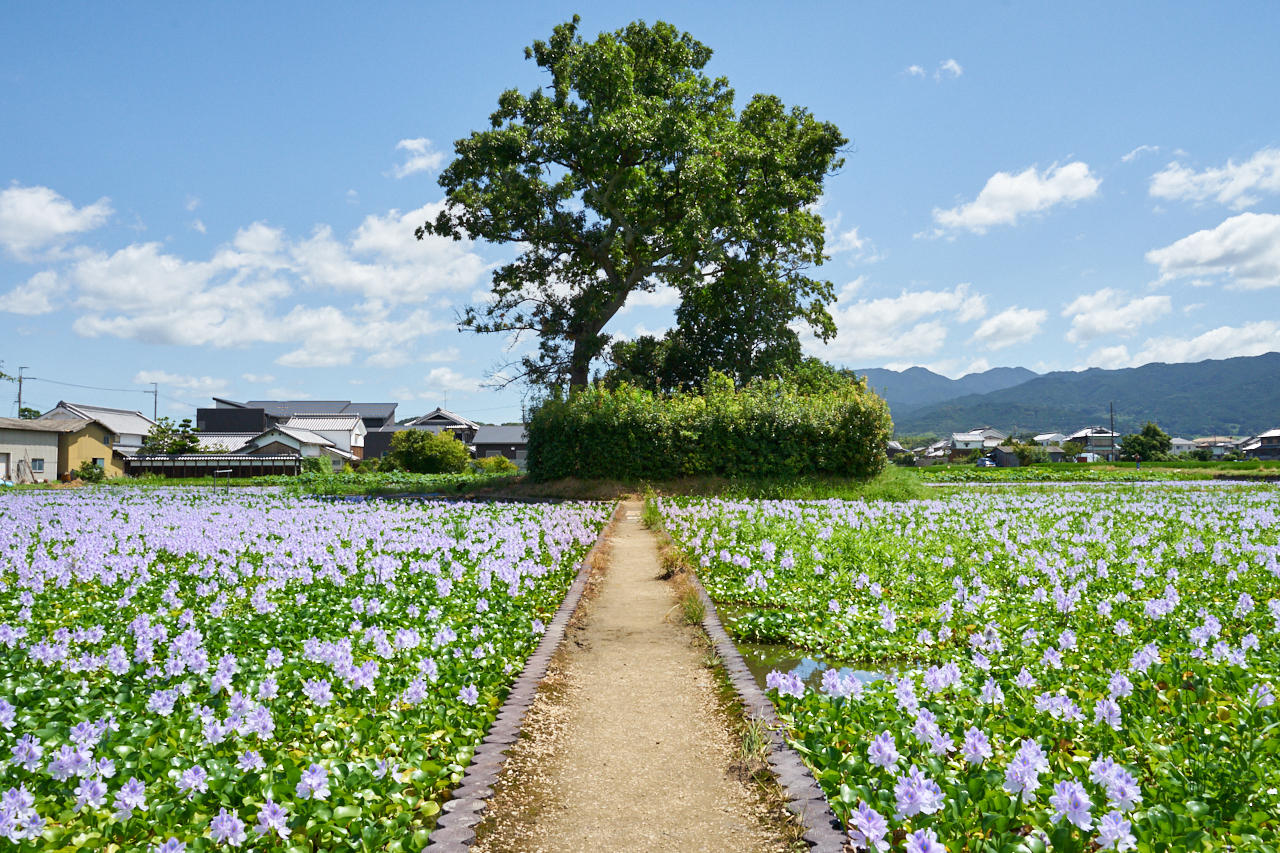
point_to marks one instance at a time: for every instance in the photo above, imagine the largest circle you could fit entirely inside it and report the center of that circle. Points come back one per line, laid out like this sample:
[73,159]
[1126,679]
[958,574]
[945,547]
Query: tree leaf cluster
[1152,444]
[633,170]
[167,437]
[421,451]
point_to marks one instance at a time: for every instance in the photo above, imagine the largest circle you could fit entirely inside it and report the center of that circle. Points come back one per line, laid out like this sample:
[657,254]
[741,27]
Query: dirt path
[626,748]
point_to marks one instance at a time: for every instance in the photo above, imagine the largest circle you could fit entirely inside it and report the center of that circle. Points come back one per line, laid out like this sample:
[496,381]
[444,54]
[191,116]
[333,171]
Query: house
[62,445]
[893,449]
[257,415]
[964,443]
[346,432]
[33,442]
[1097,441]
[509,441]
[295,441]
[129,427]
[1181,447]
[1263,446]
[1055,439]
[1056,454]
[1218,445]
[1005,457]
[443,419]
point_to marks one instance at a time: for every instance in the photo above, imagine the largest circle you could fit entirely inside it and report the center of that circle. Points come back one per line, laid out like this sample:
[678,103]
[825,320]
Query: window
[37,466]
[101,463]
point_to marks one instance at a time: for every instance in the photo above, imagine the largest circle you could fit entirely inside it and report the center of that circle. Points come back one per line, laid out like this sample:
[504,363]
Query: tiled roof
[324,422]
[501,435]
[119,421]
[52,425]
[305,436]
[228,442]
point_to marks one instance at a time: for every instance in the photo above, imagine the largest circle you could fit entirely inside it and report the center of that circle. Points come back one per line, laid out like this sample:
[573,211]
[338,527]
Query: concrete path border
[804,795]
[455,829]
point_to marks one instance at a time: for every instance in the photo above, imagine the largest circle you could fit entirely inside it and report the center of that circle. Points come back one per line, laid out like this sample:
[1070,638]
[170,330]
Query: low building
[443,419]
[1050,439]
[509,441]
[1098,441]
[1181,446]
[257,415]
[33,442]
[1005,457]
[347,432]
[1263,446]
[129,427]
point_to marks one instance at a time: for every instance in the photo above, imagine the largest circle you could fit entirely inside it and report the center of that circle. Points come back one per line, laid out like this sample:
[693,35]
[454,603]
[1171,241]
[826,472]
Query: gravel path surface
[625,747]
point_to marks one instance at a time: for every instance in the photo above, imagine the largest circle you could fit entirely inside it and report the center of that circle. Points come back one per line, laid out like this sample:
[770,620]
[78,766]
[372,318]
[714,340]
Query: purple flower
[193,780]
[314,783]
[27,752]
[1070,800]
[1107,711]
[268,690]
[976,747]
[991,693]
[1025,679]
[251,760]
[924,841]
[883,751]
[272,818]
[275,658]
[318,692]
[173,845]
[1022,774]
[916,794]
[469,694]
[227,827]
[868,829]
[8,714]
[132,795]
[1120,686]
[1114,834]
[785,683]
[90,793]
[840,686]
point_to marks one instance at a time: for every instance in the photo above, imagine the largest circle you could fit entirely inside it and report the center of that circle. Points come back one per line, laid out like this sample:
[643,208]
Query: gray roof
[501,435]
[305,436]
[119,421]
[288,408]
[324,422]
[51,425]
[443,416]
[229,442]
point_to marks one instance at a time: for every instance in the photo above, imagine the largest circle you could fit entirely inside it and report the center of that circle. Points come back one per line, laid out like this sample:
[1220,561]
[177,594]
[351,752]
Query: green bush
[494,465]
[317,465]
[772,428]
[90,473]
[420,451]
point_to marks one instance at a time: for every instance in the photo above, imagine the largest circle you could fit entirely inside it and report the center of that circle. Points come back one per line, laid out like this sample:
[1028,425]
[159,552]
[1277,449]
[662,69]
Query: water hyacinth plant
[1074,670]
[185,670]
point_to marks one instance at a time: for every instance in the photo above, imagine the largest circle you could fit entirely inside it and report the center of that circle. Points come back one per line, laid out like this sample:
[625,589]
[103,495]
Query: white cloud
[1245,247]
[202,385]
[448,354]
[1249,339]
[33,218]
[448,379]
[904,326]
[192,203]
[663,296]
[197,225]
[247,292]
[1012,326]
[950,67]
[1233,184]
[38,295]
[1007,197]
[1141,149]
[1107,313]
[389,359]
[263,378]
[915,71]
[422,157]
[979,366]
[848,241]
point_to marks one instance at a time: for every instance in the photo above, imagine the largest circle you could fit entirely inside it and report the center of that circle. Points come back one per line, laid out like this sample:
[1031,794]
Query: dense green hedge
[768,429]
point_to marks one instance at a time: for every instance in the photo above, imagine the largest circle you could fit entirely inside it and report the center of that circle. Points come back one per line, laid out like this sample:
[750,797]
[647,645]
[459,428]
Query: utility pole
[155,401]
[20,369]
[1113,432]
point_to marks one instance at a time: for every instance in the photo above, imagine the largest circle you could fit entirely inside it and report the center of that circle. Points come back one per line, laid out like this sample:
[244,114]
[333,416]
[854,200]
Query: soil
[626,746]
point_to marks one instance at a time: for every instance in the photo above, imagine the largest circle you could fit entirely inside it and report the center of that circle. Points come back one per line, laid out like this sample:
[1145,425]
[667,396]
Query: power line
[89,387]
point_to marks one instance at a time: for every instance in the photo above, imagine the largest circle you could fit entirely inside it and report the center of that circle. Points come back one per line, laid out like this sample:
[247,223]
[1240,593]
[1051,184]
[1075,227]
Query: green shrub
[770,428]
[494,465]
[317,465]
[420,451]
[90,473]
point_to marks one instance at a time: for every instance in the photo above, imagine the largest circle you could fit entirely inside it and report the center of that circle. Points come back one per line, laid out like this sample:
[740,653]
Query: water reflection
[762,658]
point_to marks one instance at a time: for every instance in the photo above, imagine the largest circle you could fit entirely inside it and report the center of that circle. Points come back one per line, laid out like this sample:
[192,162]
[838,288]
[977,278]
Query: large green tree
[632,171]
[1151,444]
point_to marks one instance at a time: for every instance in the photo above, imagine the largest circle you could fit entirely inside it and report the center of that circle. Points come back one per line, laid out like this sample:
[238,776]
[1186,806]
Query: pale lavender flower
[251,760]
[1114,834]
[924,841]
[469,694]
[1120,686]
[227,827]
[314,783]
[868,829]
[1108,712]
[991,693]
[916,794]
[275,658]
[90,793]
[976,747]
[272,818]
[840,686]
[1025,679]
[1260,695]
[193,781]
[173,845]
[785,683]
[1070,800]
[27,752]
[132,795]
[883,751]
[8,714]
[318,691]
[1022,775]
[269,689]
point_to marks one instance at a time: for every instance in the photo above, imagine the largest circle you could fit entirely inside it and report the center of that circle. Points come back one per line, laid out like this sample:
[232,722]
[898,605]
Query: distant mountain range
[1234,396]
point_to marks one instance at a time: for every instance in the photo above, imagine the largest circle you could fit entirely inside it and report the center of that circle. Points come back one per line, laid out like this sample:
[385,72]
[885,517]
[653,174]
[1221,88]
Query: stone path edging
[804,796]
[455,829]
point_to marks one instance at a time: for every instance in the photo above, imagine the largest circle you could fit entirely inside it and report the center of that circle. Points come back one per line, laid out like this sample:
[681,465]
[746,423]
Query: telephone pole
[20,369]
[1113,432]
[155,401]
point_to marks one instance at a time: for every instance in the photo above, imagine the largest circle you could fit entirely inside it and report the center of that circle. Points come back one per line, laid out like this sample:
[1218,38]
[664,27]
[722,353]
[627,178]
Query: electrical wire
[90,387]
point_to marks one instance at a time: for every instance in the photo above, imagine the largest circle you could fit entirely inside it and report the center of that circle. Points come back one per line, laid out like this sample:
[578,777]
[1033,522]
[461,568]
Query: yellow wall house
[91,442]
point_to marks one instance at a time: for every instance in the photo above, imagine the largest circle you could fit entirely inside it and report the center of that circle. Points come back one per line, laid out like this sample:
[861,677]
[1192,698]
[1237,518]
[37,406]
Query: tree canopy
[1151,444]
[635,170]
[167,437]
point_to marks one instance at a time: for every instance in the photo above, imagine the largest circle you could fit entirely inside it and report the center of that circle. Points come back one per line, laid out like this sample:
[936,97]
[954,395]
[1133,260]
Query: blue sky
[221,198]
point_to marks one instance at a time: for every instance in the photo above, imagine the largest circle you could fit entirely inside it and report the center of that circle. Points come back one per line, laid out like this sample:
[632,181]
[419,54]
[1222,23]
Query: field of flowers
[1067,670]
[184,669]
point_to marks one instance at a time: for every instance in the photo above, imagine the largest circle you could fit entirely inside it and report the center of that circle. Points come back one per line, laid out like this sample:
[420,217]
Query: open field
[250,667]
[1075,668]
